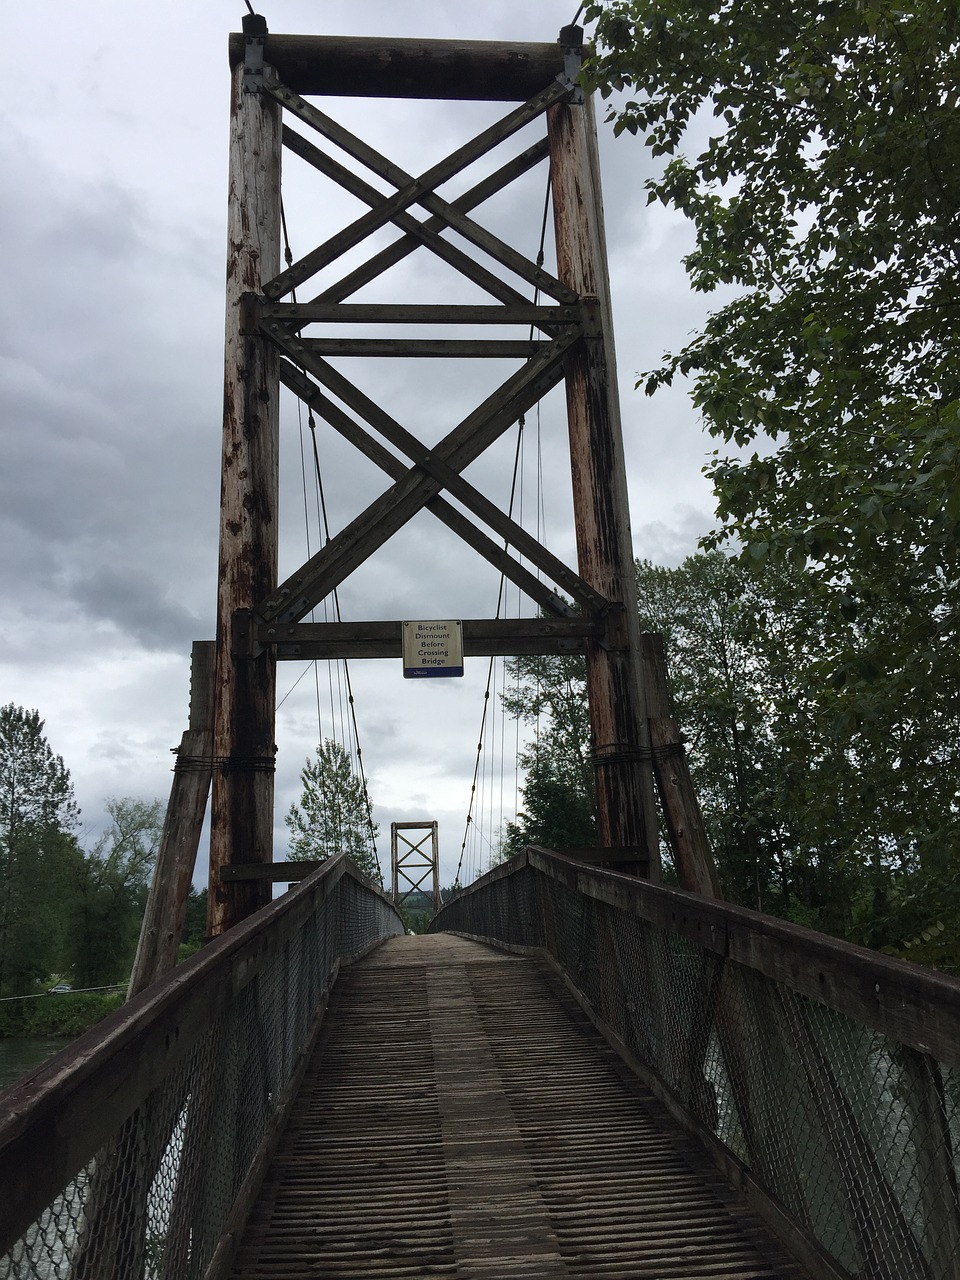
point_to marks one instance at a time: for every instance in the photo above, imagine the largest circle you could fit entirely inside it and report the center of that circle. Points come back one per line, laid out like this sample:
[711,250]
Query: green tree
[112,883]
[38,815]
[557,809]
[334,813]
[549,694]
[821,805]
[195,923]
[826,193]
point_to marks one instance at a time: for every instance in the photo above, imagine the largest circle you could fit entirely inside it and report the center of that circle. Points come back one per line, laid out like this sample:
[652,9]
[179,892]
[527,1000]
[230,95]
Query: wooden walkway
[461,1117]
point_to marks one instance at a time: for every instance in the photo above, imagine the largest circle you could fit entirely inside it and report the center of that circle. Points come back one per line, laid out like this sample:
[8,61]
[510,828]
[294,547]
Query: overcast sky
[113,145]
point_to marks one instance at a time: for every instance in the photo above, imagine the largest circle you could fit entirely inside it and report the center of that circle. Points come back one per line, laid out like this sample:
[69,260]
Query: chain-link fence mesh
[153,1202]
[852,1131]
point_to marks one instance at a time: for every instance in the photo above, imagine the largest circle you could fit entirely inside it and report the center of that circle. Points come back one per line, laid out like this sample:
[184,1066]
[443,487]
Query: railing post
[244,724]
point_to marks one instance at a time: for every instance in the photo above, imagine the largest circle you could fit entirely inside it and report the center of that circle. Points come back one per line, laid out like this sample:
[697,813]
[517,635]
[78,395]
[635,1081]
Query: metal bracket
[617,638]
[592,316]
[571,42]
[243,635]
[255,30]
[249,318]
[564,608]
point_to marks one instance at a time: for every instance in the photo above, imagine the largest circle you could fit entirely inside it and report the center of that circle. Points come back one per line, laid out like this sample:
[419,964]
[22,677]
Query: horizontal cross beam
[296,314]
[482,637]
[422,348]
[277,872]
[464,70]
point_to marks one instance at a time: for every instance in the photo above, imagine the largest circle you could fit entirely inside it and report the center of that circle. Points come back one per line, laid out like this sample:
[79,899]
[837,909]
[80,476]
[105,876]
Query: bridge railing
[135,1152]
[824,1078]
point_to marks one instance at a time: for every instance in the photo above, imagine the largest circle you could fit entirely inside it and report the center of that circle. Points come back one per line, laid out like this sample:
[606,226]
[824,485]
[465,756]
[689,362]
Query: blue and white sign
[432,649]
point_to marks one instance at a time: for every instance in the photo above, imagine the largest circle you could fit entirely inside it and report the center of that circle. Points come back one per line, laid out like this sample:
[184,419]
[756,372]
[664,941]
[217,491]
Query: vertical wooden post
[166,910]
[626,814]
[244,725]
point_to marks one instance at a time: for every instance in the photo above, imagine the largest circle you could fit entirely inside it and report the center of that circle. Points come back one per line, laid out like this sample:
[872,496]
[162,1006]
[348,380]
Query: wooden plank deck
[461,1117]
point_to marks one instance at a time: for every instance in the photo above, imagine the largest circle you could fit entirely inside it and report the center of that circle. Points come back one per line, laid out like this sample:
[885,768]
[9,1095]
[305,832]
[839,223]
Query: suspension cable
[486,693]
[351,701]
[500,594]
[324,531]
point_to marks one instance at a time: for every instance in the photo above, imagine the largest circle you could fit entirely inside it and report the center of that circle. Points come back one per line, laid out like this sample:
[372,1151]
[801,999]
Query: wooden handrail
[59,1117]
[905,1001]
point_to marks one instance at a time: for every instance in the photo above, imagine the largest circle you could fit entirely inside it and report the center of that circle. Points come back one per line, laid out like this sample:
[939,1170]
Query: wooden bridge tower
[272,340]
[412,865]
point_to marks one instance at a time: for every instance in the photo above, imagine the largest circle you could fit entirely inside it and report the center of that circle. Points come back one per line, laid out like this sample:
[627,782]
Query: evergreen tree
[557,809]
[333,815]
[38,815]
[112,883]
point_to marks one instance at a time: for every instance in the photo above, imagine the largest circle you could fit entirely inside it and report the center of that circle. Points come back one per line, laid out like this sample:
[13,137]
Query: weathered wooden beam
[323,312]
[626,810]
[482,637]
[166,909]
[539,592]
[434,464]
[423,348]
[692,855]
[628,859]
[358,66]
[400,249]
[273,872]
[244,733]
[416,190]
[400,503]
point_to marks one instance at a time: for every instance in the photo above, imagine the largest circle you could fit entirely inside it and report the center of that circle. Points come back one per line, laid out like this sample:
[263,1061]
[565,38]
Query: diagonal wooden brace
[415,191]
[423,232]
[393,509]
[310,394]
[448,477]
[400,249]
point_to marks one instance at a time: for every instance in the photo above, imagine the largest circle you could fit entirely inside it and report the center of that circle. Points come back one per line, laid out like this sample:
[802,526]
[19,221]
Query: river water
[18,1057]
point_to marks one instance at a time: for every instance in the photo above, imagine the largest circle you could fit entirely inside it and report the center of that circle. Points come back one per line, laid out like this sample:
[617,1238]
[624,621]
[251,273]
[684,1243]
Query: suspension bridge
[578,1071]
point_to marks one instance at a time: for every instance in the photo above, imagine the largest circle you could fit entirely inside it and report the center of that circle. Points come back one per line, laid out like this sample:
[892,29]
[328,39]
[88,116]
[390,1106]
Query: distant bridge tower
[273,340]
[411,864]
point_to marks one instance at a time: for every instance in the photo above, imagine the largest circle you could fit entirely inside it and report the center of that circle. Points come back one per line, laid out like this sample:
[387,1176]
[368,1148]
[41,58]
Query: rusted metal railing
[134,1154]
[824,1078]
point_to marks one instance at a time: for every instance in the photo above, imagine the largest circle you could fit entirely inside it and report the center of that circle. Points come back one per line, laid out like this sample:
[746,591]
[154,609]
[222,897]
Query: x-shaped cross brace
[433,469]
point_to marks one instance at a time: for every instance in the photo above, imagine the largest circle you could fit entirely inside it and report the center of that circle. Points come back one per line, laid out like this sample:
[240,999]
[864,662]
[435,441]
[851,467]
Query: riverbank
[55,1014]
